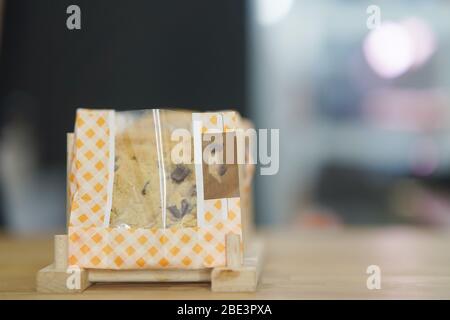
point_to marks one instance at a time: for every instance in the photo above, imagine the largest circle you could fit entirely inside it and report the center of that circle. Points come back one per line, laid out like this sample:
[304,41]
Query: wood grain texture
[61,249]
[233,250]
[53,280]
[415,264]
[54,277]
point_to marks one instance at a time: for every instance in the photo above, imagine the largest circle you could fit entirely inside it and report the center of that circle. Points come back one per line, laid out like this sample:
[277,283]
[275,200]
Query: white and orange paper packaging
[142,195]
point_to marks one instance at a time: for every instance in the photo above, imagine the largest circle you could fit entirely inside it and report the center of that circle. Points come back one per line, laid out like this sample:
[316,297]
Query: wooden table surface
[415,263]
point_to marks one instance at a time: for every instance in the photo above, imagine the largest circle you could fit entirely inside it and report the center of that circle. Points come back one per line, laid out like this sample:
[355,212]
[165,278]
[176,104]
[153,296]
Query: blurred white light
[271,11]
[389,50]
[424,40]
[394,48]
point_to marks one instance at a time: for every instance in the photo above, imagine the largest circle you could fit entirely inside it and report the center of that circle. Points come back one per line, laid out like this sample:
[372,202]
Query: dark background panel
[128,55]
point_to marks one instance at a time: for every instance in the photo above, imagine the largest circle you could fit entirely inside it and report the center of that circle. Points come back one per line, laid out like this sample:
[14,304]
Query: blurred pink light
[389,50]
[425,158]
[394,48]
[414,110]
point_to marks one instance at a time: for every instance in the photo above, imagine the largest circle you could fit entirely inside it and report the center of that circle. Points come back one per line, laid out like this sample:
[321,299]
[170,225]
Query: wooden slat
[202,275]
[61,252]
[52,280]
[233,250]
[243,278]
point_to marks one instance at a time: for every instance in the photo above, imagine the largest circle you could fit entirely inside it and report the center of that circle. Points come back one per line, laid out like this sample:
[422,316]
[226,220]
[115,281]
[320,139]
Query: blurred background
[364,114]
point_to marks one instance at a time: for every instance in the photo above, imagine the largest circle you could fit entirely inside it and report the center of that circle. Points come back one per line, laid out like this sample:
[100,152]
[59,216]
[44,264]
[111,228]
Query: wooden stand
[234,277]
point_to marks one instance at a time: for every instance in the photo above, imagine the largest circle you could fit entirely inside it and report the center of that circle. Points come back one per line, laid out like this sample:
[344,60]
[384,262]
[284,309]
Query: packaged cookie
[145,177]
[153,189]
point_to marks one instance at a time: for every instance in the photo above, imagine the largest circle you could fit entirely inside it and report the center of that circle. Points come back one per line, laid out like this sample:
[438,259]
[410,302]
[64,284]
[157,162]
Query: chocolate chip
[144,189]
[134,158]
[222,169]
[193,191]
[174,211]
[180,173]
[116,165]
[185,207]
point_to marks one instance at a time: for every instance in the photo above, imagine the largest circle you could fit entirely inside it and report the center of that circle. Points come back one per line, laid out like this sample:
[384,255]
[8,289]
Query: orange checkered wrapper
[133,208]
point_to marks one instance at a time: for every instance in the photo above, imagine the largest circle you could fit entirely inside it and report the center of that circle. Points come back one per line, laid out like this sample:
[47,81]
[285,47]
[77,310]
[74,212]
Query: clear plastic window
[150,190]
